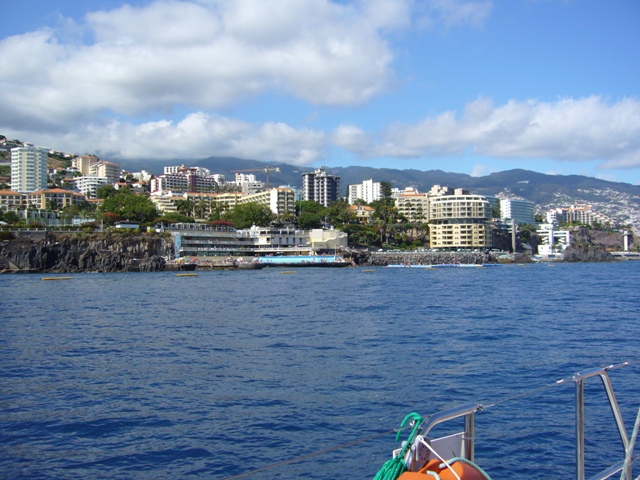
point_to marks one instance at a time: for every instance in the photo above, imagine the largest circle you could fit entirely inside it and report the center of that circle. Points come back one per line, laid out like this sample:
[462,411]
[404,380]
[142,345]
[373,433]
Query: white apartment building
[459,220]
[318,186]
[182,183]
[89,185]
[28,168]
[184,170]
[248,183]
[581,213]
[369,191]
[183,179]
[521,211]
[166,204]
[142,176]
[281,201]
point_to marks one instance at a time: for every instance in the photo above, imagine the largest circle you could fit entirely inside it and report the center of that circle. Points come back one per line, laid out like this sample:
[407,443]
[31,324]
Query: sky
[467,86]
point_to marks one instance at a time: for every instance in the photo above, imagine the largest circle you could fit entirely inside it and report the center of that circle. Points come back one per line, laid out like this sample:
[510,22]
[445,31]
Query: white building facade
[522,211]
[89,185]
[369,191]
[28,168]
[581,213]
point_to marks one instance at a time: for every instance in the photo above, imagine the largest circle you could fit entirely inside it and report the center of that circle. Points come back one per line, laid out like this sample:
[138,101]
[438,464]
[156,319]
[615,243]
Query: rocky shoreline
[95,252]
[147,252]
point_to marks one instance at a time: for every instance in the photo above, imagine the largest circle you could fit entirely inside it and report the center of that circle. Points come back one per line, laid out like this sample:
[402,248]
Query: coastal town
[212,220]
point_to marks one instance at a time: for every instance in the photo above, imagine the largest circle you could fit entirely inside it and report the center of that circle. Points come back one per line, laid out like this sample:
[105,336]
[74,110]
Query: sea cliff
[91,252]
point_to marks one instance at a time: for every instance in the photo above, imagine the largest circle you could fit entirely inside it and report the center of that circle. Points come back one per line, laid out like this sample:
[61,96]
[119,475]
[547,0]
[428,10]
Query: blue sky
[463,86]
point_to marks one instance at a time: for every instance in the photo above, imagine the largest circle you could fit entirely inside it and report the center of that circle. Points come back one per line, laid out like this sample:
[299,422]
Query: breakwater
[431,258]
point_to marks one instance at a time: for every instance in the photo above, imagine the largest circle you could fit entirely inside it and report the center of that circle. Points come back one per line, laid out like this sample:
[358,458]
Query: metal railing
[579,379]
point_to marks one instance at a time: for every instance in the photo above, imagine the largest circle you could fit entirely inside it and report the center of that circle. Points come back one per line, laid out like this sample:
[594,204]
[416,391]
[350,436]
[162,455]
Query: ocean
[299,375]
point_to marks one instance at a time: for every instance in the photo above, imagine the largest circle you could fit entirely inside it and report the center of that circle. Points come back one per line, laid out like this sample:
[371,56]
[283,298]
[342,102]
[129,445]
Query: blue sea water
[155,376]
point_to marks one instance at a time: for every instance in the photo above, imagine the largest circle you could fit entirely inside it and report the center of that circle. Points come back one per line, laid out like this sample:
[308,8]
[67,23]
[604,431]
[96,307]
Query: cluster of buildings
[456,217]
[460,219]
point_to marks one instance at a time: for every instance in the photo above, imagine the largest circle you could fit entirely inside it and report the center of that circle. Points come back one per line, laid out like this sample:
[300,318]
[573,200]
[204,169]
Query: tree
[309,214]
[248,214]
[130,206]
[361,235]
[385,211]
[10,217]
[218,211]
[186,207]
[106,191]
[338,213]
[495,210]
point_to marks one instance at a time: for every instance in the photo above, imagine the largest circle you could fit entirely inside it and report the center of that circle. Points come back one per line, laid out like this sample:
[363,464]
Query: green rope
[394,467]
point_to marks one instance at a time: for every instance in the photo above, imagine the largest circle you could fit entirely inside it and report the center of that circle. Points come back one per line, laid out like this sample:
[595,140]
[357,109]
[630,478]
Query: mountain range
[619,201]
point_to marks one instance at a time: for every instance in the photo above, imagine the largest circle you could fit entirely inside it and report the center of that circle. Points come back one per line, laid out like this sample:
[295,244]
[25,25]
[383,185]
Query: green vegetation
[12,218]
[248,214]
[106,191]
[5,174]
[309,214]
[126,205]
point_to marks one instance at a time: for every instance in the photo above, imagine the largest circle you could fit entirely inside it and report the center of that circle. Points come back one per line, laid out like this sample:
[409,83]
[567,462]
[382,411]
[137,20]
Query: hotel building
[458,219]
[414,206]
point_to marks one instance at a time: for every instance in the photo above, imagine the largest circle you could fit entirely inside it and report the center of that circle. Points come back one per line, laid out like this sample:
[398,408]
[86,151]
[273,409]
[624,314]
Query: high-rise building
[521,211]
[28,168]
[318,186]
[369,191]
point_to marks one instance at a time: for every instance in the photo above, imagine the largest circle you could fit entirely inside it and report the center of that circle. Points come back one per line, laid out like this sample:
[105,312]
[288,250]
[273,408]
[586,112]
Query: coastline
[151,252]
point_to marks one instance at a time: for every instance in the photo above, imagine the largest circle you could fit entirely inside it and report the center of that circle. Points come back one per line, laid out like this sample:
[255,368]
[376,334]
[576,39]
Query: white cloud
[352,138]
[198,135]
[480,170]
[205,55]
[569,129]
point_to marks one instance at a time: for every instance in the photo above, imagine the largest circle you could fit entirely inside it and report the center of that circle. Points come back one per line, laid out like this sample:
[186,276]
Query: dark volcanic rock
[99,252]
[587,253]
